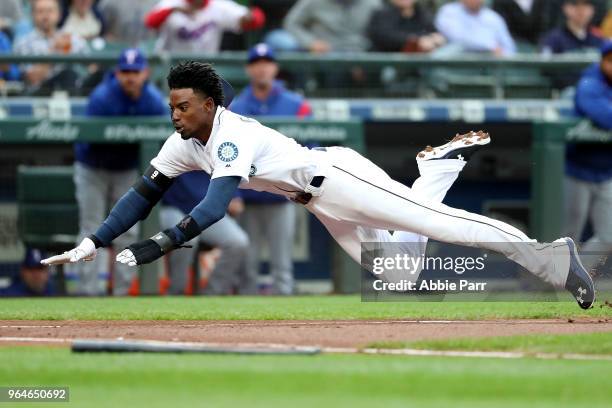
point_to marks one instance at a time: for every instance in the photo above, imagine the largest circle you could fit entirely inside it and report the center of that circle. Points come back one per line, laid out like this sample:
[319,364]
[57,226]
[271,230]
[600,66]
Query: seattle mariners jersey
[240,146]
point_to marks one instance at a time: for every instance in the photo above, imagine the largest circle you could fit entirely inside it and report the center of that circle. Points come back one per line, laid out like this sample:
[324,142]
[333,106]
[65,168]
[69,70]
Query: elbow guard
[152,186]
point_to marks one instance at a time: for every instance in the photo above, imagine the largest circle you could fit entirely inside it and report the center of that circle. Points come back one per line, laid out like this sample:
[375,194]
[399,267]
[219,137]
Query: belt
[304,197]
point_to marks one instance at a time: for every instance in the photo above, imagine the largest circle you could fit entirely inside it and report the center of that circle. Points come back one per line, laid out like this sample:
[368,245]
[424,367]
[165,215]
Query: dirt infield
[338,333]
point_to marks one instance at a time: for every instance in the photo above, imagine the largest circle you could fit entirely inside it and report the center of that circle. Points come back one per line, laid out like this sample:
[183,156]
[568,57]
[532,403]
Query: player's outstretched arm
[210,210]
[86,251]
[135,205]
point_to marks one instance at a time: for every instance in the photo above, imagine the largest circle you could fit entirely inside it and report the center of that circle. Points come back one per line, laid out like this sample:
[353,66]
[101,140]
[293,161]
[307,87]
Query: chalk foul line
[347,350]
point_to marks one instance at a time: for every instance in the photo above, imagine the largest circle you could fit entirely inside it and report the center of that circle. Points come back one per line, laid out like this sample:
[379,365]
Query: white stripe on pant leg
[393,206]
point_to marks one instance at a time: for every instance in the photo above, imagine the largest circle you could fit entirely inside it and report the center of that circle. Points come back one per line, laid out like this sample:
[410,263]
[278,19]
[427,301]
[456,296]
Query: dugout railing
[523,75]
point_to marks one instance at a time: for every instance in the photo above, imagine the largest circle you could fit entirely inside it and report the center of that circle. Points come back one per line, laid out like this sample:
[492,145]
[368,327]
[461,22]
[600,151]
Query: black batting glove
[149,250]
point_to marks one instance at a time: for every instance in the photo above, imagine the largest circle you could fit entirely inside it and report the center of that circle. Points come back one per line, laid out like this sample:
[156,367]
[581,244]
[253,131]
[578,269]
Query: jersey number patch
[227,151]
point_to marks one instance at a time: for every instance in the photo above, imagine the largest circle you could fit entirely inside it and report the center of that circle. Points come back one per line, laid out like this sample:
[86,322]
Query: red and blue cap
[261,51]
[132,59]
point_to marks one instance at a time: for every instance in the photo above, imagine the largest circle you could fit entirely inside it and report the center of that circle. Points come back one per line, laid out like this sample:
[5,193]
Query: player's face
[606,66]
[473,5]
[192,114]
[132,81]
[579,14]
[262,72]
[35,278]
[46,14]
[403,4]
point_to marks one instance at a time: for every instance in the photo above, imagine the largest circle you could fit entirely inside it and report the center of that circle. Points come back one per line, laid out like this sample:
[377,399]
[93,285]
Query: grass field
[144,380]
[328,380]
[580,343]
[281,308]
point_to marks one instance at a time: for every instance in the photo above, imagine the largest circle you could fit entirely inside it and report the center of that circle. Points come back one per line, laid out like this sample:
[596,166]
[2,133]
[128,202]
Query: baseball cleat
[579,282]
[462,147]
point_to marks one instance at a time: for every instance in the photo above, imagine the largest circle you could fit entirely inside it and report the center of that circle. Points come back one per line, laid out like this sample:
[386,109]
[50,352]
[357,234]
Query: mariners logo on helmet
[227,151]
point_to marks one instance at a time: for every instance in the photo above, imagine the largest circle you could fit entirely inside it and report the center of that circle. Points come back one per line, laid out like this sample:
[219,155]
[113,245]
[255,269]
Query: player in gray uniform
[355,199]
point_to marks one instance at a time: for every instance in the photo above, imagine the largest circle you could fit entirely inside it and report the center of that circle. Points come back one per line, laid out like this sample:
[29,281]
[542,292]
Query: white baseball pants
[361,203]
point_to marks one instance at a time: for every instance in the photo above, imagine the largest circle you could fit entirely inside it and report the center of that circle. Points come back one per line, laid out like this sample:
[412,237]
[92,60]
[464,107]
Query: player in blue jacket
[33,279]
[589,166]
[102,172]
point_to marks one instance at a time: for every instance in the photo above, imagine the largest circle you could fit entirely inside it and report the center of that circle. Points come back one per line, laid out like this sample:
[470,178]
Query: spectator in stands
[46,39]
[103,172]
[33,279]
[526,19]
[274,33]
[125,21]
[229,275]
[556,16]
[321,26]
[83,18]
[269,218]
[10,15]
[473,27]
[8,72]
[589,166]
[198,25]
[575,35]
[403,26]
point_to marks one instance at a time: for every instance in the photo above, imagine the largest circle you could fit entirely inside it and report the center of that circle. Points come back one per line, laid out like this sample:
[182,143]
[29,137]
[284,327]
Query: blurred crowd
[497,27]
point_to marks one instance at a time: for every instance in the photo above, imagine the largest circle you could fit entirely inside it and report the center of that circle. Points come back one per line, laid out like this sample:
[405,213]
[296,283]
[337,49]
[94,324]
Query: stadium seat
[48,212]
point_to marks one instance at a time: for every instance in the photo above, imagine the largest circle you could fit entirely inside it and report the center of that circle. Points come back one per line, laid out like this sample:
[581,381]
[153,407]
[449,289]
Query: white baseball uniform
[357,201]
[201,31]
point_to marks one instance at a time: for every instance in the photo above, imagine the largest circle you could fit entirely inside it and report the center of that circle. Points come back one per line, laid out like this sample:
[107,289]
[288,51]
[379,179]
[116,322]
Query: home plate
[151,346]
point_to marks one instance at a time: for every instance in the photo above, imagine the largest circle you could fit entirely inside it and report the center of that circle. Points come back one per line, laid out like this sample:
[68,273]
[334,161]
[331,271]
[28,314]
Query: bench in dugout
[48,213]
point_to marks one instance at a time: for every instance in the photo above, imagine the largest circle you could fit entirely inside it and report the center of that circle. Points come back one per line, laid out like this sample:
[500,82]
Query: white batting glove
[86,251]
[126,257]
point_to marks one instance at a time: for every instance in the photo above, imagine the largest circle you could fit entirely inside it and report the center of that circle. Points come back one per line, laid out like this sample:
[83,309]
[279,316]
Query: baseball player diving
[355,199]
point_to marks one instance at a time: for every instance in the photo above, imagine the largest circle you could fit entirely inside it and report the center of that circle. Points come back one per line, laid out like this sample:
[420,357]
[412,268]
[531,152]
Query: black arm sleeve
[135,205]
